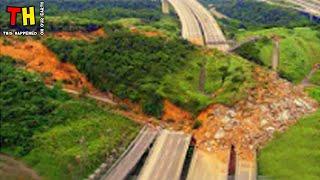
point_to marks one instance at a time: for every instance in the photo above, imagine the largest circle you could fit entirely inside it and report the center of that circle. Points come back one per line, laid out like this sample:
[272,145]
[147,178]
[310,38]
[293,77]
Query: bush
[197,124]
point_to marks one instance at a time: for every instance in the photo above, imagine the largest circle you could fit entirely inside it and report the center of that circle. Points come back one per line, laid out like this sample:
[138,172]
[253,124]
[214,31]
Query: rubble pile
[272,106]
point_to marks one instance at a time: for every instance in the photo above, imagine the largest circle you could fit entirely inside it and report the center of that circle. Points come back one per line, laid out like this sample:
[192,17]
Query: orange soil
[176,118]
[78,35]
[146,33]
[38,58]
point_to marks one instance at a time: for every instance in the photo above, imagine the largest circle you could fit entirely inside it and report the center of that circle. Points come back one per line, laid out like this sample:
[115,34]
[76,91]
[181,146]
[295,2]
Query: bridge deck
[213,35]
[246,169]
[166,158]
[121,169]
[207,166]
[190,27]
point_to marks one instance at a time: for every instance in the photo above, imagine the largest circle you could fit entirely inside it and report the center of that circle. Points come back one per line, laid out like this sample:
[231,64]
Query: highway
[167,156]
[198,25]
[122,168]
[308,6]
[213,35]
[190,27]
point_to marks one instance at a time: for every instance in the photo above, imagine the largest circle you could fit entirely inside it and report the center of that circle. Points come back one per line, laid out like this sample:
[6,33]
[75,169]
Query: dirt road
[12,169]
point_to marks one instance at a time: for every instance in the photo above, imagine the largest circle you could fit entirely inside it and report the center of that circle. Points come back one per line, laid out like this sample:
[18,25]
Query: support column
[311,17]
[165,7]
[275,54]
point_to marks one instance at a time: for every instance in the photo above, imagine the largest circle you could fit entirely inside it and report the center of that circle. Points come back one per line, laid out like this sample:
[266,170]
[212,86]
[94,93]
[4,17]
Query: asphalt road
[190,27]
[310,6]
[213,35]
[198,25]
[166,159]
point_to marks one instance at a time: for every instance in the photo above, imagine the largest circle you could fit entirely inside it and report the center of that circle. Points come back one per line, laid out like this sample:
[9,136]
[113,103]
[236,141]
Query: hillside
[299,50]
[60,137]
[230,106]
[121,63]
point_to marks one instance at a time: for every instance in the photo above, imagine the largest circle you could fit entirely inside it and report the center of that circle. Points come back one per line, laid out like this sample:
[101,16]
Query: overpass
[198,25]
[190,26]
[311,7]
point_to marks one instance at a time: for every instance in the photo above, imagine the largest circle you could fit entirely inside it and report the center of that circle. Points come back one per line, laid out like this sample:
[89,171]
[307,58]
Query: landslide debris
[38,58]
[272,106]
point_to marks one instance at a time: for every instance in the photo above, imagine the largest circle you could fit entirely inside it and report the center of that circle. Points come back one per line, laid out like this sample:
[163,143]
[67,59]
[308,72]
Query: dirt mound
[176,118]
[38,58]
[273,105]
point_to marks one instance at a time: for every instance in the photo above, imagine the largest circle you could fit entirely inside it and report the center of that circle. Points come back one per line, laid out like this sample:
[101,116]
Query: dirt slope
[38,58]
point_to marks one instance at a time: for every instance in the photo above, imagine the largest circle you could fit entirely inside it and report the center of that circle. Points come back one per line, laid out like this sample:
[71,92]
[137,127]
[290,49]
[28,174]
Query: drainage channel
[232,164]
[187,162]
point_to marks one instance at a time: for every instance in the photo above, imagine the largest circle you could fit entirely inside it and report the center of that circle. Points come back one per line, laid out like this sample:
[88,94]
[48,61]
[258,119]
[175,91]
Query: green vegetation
[61,138]
[315,78]
[314,92]
[87,15]
[294,154]
[166,26]
[150,69]
[299,50]
[253,14]
[227,79]
[197,124]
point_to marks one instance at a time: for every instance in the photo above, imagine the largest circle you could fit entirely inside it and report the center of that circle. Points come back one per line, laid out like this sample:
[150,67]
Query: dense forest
[59,136]
[131,65]
[143,70]
[86,15]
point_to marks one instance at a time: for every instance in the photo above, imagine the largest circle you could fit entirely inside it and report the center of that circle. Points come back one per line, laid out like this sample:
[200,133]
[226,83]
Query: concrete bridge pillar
[275,54]
[165,7]
[311,17]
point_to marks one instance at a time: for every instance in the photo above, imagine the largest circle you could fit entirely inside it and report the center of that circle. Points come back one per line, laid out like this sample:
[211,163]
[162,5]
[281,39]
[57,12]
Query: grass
[315,78]
[227,79]
[294,154]
[77,148]
[299,50]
